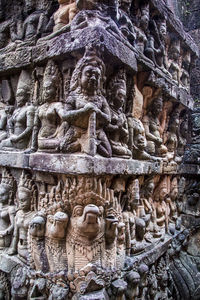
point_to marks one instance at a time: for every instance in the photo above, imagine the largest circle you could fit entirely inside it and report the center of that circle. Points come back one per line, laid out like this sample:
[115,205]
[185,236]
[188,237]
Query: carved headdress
[88,190]
[24,82]
[92,58]
[52,77]
[26,183]
[9,182]
[116,82]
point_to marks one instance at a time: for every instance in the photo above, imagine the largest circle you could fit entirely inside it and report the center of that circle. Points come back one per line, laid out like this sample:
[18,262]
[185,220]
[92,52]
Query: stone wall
[99,197]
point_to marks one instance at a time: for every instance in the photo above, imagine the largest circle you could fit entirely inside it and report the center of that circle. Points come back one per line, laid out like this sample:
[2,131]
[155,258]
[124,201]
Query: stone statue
[65,13]
[183,134]
[117,130]
[137,140]
[88,112]
[21,123]
[155,48]
[173,195]
[161,209]
[174,57]
[142,28]
[172,137]
[133,280]
[143,270]
[185,77]
[152,284]
[152,128]
[92,235]
[148,203]
[7,208]
[27,197]
[49,118]
[125,24]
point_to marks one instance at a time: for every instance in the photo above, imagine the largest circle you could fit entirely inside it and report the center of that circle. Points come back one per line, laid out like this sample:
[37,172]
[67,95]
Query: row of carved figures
[85,219]
[140,282]
[88,122]
[149,37]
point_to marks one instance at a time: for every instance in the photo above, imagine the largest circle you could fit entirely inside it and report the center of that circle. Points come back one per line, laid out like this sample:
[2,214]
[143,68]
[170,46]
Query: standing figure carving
[27,197]
[7,208]
[161,208]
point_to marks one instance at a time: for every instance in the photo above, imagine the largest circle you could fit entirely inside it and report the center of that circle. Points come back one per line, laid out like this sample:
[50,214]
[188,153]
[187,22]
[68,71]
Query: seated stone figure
[152,128]
[20,125]
[65,13]
[87,110]
[137,140]
[117,130]
[50,114]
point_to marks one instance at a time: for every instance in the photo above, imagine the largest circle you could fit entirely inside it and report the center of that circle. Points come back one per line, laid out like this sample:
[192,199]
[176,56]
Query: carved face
[21,97]
[157,106]
[4,194]
[87,221]
[144,22]
[37,227]
[163,29]
[49,91]
[120,96]
[140,140]
[163,191]
[125,5]
[24,196]
[90,79]
[150,188]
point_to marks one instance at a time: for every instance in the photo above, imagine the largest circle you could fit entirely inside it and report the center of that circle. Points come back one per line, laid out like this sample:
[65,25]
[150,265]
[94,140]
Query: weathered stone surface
[98,197]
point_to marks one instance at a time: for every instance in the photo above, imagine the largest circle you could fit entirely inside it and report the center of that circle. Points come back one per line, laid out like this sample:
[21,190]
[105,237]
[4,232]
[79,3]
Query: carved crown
[87,190]
[8,179]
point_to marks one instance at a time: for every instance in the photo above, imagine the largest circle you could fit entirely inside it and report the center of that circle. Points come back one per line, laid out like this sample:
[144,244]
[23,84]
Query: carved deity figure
[50,114]
[20,125]
[92,231]
[117,130]
[142,28]
[87,109]
[152,284]
[125,24]
[172,137]
[65,13]
[48,233]
[161,209]
[174,57]
[27,196]
[155,48]
[173,195]
[137,139]
[7,208]
[133,280]
[183,134]
[152,128]
[185,70]
[148,203]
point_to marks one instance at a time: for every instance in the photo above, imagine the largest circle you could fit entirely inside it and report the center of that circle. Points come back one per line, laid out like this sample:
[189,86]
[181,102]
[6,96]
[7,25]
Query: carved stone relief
[98,193]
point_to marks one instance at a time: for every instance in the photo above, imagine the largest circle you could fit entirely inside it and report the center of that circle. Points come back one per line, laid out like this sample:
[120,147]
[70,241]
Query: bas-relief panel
[121,236]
